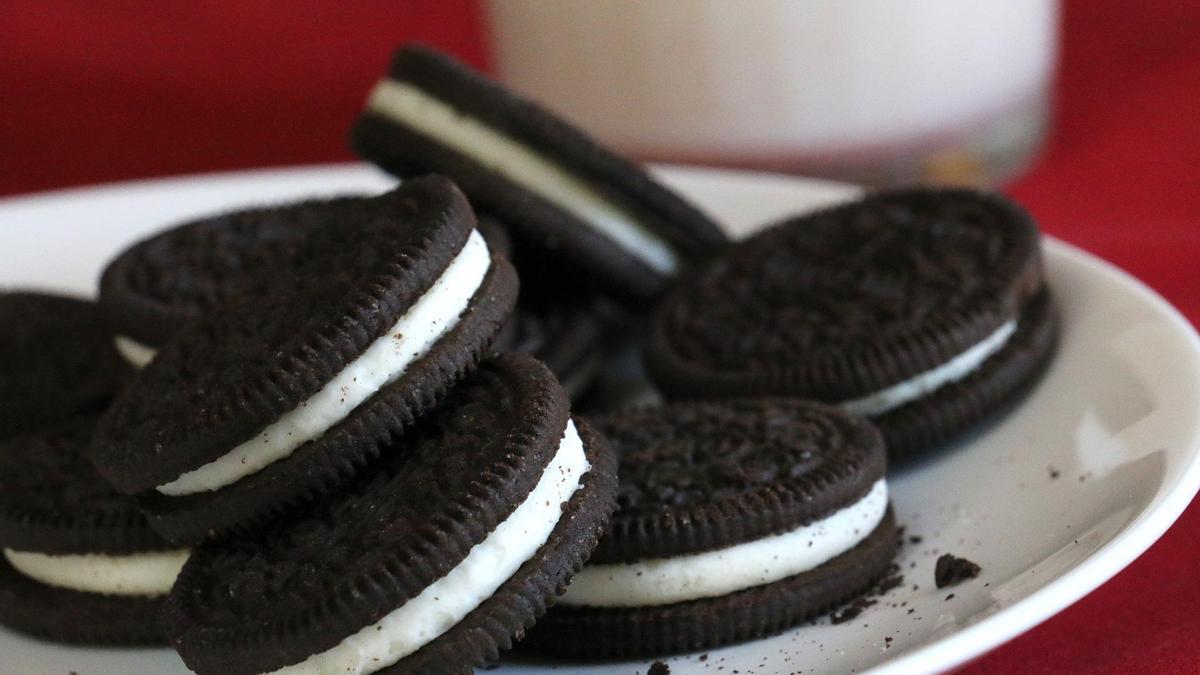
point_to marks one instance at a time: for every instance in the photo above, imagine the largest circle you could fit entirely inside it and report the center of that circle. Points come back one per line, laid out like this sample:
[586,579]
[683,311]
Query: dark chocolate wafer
[56,360]
[751,614]
[162,283]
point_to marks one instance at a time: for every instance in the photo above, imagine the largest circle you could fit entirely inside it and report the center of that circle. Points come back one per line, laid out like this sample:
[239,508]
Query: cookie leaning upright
[80,564]
[554,186]
[925,310]
[161,283]
[293,385]
[561,329]
[735,520]
[565,334]
[56,360]
[433,561]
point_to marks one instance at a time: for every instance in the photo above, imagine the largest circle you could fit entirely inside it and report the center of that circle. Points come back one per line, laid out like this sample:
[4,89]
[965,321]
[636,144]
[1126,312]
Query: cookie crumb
[659,668]
[951,570]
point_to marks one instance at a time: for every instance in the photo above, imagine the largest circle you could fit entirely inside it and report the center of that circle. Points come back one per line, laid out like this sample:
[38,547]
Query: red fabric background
[132,89]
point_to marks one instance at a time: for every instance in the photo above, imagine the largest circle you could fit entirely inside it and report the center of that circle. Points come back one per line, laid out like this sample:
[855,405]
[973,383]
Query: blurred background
[869,91]
[1085,111]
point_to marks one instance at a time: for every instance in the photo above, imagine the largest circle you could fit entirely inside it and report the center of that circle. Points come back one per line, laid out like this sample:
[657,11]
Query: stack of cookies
[373,433]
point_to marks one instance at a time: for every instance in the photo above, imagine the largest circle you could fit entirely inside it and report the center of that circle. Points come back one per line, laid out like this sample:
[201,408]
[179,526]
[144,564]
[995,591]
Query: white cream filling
[383,362]
[151,573]
[135,353]
[664,581]
[925,383]
[446,601]
[469,136]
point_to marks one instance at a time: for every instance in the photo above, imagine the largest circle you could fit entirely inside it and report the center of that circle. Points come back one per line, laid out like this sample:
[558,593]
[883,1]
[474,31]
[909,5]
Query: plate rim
[962,645]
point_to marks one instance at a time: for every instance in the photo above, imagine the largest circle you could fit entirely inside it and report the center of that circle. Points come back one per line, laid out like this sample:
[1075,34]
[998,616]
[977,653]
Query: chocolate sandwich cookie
[604,218]
[735,520]
[562,327]
[56,360]
[292,386]
[434,561]
[80,564]
[564,334]
[160,284]
[925,310]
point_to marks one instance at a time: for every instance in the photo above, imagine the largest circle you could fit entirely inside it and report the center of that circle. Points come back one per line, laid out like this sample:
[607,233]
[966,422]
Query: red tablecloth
[108,91]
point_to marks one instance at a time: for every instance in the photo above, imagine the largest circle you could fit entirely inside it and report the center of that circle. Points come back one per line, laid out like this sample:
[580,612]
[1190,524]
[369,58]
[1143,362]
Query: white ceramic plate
[1052,501]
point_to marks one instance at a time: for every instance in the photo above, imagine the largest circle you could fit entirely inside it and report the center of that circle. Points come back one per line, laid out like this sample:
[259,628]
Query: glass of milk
[875,91]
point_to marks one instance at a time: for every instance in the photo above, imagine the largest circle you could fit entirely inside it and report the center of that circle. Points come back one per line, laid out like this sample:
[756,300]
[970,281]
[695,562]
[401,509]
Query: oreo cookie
[735,520]
[434,561]
[160,284]
[563,326]
[564,334]
[599,216]
[296,383]
[79,562]
[925,310]
[56,361]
